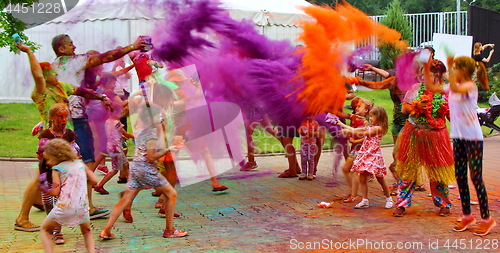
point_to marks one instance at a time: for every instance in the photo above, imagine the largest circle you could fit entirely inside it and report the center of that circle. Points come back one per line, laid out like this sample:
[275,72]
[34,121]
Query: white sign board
[458,45]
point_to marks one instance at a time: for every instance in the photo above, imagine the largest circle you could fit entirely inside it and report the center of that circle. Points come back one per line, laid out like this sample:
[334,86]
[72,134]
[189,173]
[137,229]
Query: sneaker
[399,212]
[103,169]
[444,211]
[302,176]
[249,166]
[98,213]
[389,203]
[485,227]
[464,223]
[363,204]
[174,234]
[100,190]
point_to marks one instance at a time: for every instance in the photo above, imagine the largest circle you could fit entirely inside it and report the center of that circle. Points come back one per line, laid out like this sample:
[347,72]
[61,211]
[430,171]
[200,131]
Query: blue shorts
[396,129]
[84,139]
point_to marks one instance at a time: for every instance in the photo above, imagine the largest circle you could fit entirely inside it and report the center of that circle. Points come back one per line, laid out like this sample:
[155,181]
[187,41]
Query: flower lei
[434,115]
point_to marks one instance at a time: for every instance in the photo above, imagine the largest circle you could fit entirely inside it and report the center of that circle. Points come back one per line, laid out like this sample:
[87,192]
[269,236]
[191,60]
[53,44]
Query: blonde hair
[381,116]
[60,149]
[469,65]
[55,109]
[477,48]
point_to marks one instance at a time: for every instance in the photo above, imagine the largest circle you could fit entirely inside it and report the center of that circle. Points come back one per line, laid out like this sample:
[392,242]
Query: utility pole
[458,17]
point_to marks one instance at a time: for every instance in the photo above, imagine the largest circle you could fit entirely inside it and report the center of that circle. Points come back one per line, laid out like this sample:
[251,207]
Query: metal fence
[424,25]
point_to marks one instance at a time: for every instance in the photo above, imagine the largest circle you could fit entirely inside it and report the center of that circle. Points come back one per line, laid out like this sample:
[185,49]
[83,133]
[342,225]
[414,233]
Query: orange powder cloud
[329,38]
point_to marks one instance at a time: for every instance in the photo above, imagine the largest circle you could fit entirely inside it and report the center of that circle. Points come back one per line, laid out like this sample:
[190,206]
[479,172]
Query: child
[369,159]
[361,108]
[114,131]
[69,182]
[309,130]
[58,118]
[144,175]
[467,135]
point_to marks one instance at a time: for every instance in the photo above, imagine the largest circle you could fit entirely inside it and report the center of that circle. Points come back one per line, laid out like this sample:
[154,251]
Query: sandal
[158,204]
[174,234]
[127,215]
[58,238]
[286,174]
[106,235]
[162,214]
[156,194]
[349,199]
[219,188]
[26,226]
[122,180]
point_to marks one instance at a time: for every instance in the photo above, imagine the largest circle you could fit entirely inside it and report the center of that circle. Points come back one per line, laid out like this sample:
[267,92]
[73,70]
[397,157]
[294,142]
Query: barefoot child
[369,159]
[69,182]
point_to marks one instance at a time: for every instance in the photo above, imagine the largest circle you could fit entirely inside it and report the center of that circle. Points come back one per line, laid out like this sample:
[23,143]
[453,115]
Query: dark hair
[430,49]
[58,41]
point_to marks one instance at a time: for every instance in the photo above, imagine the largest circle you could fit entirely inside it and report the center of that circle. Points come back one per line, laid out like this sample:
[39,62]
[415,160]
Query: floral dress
[72,207]
[370,157]
[143,174]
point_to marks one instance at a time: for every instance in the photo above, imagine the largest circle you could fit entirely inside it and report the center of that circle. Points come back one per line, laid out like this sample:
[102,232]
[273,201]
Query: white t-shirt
[463,115]
[71,69]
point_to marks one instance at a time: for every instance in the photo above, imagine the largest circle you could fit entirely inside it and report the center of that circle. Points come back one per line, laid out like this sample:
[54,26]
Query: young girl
[69,182]
[467,136]
[369,159]
[144,175]
[58,118]
[361,108]
[309,130]
[114,131]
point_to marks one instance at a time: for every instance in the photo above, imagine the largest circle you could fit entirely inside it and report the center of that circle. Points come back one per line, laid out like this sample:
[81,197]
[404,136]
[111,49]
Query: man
[73,69]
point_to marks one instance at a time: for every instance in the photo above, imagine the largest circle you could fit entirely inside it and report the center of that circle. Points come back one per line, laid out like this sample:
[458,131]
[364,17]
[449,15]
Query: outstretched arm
[36,70]
[112,55]
[380,72]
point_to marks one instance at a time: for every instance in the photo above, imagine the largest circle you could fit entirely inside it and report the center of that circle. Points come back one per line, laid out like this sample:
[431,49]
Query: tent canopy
[261,12]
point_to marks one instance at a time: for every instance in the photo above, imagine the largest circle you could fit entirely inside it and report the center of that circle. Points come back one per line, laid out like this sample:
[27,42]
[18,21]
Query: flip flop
[26,226]
[286,174]
[106,236]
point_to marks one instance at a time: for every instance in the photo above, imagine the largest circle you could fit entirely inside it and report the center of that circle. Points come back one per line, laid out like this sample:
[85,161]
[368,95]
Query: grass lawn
[17,119]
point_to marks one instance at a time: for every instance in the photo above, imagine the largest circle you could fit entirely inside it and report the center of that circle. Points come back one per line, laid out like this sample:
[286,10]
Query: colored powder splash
[406,70]
[235,62]
[328,41]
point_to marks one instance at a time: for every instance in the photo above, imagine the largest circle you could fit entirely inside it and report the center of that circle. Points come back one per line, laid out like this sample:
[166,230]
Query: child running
[69,182]
[467,136]
[309,130]
[144,175]
[369,159]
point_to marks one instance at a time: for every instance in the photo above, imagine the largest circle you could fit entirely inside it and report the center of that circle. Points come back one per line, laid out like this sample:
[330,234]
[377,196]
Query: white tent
[102,25]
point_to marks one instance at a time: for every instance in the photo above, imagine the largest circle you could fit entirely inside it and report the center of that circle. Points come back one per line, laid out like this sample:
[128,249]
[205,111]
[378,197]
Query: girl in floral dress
[369,159]
[424,144]
[69,182]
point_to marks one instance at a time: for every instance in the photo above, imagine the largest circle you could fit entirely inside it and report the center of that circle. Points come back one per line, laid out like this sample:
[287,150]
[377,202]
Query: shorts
[396,129]
[84,139]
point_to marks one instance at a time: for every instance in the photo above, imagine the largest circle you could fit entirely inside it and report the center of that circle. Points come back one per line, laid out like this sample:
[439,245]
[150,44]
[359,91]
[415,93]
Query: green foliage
[396,20]
[10,25]
[494,82]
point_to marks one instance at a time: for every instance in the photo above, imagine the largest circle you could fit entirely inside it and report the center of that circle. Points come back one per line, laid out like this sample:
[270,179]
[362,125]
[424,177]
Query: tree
[9,25]
[394,19]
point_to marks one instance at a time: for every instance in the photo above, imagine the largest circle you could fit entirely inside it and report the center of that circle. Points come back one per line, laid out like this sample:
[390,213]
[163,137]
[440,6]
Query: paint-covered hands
[139,43]
[23,47]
